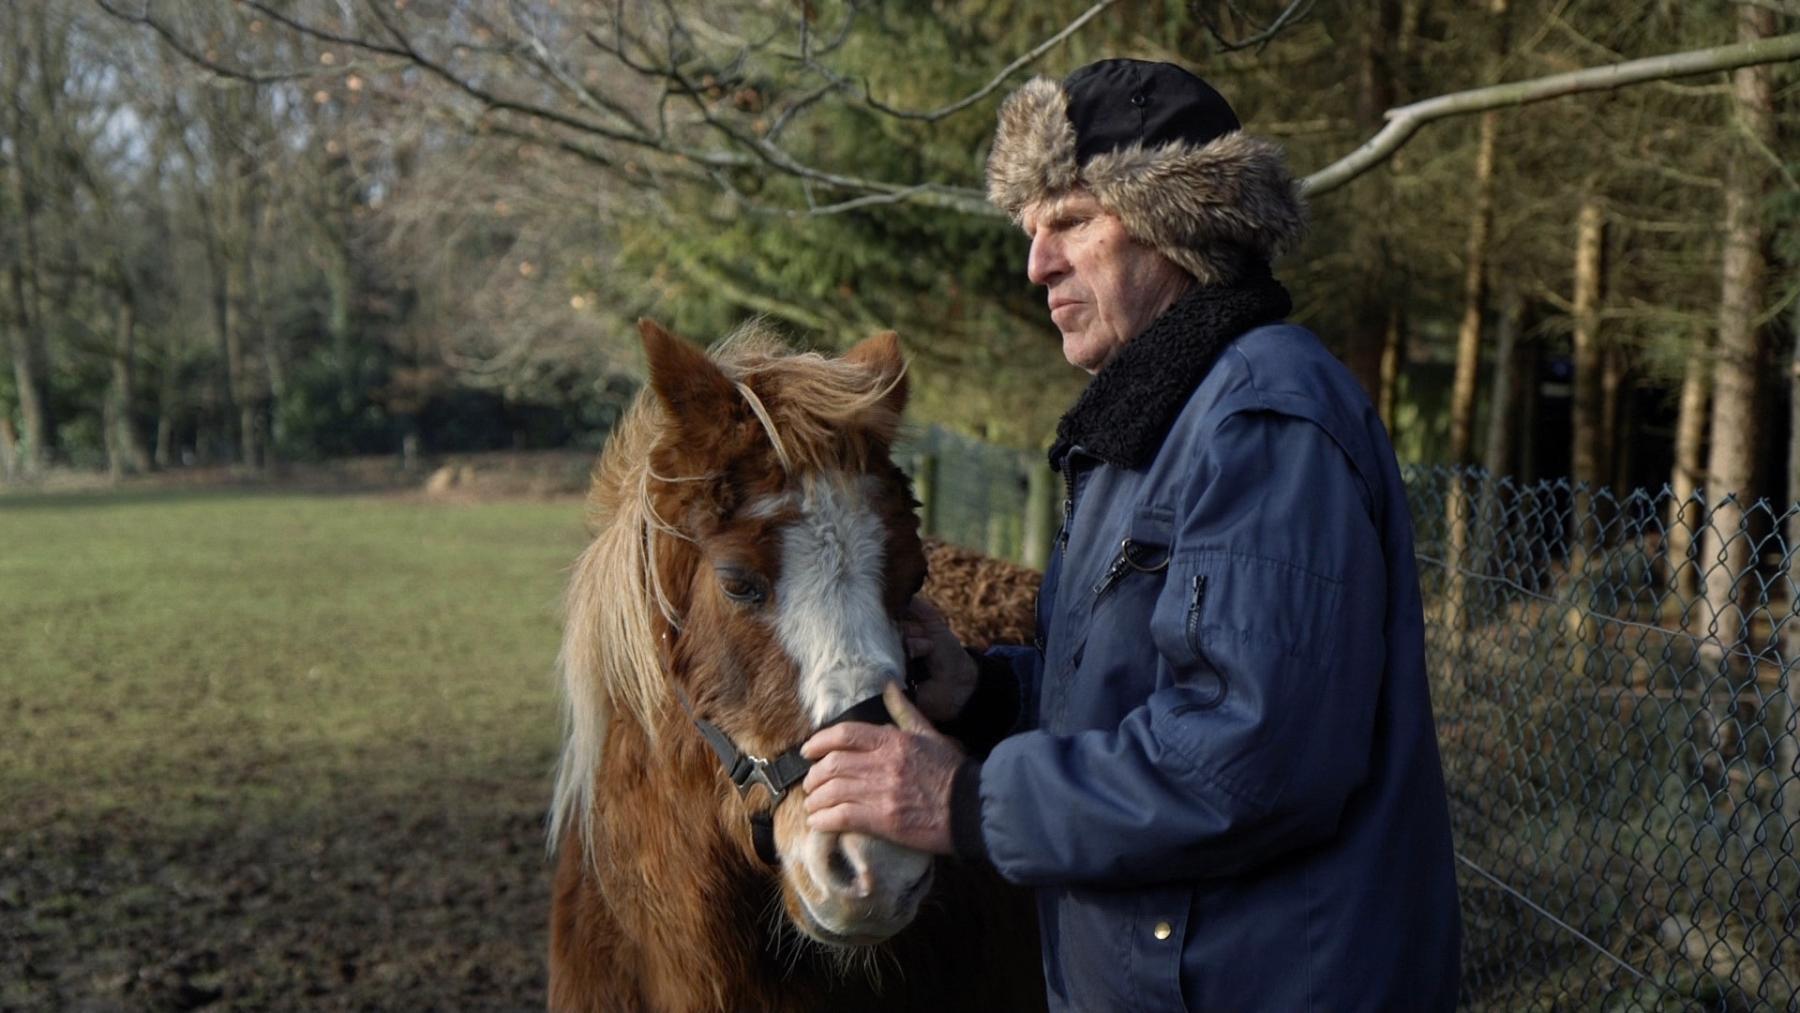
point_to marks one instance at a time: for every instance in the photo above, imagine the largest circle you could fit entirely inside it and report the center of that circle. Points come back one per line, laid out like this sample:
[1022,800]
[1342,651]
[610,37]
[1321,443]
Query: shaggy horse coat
[724,471]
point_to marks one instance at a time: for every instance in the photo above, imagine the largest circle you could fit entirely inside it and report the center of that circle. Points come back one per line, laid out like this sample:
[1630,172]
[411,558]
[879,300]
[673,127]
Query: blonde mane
[609,661]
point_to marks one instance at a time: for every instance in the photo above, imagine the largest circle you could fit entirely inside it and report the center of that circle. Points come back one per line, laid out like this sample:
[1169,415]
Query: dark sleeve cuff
[992,710]
[965,813]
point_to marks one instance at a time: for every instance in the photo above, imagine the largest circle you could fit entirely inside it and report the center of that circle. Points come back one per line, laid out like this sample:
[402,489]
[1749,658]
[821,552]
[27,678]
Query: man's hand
[887,782]
[943,695]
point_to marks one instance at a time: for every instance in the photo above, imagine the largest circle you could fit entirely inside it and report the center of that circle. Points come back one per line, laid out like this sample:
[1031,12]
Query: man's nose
[1046,263]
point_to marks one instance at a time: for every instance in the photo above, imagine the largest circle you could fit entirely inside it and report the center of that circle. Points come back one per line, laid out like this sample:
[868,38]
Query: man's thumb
[906,717]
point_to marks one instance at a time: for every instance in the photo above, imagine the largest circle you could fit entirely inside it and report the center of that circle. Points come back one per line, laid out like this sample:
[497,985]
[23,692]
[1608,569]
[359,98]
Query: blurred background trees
[244,232]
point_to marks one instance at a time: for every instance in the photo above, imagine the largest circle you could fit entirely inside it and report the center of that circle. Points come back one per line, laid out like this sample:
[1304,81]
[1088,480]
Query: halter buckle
[759,774]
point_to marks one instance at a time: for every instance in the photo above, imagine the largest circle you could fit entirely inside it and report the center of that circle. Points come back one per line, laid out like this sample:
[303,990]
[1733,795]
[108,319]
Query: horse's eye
[743,586]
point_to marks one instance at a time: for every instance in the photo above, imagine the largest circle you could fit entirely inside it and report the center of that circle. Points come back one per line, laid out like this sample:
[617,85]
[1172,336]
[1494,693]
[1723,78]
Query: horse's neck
[678,887]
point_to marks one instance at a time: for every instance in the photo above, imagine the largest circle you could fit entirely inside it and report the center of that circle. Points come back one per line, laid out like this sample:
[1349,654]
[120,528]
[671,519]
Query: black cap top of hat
[1116,103]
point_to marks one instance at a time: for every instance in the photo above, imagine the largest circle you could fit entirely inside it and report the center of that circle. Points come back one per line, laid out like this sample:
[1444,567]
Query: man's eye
[743,586]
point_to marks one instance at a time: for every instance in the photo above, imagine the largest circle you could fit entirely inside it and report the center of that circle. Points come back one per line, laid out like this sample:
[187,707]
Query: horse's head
[776,550]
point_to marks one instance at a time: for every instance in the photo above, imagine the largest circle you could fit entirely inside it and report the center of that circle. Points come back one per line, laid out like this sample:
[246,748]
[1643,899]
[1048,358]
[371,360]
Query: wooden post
[1042,491]
[925,487]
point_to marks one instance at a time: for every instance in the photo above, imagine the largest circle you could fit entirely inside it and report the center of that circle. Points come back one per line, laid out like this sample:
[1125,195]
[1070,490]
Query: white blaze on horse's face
[832,620]
[830,611]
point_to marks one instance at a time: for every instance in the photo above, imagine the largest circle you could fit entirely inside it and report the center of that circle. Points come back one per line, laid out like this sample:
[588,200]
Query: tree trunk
[1497,456]
[1364,338]
[1468,356]
[28,377]
[9,450]
[1584,457]
[340,284]
[1615,377]
[1731,464]
[1468,362]
[1468,338]
[1787,765]
[224,322]
[1685,510]
[127,451]
[27,304]
[237,368]
[1393,356]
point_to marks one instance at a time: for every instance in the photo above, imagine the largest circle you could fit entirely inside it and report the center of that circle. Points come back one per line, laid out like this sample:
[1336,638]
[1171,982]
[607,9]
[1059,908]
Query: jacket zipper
[1196,592]
[1068,477]
[1116,571]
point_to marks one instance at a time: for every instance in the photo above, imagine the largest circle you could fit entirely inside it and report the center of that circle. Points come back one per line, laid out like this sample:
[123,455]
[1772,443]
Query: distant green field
[264,744]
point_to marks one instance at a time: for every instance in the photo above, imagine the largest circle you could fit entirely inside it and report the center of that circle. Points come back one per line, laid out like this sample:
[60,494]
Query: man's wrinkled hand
[888,782]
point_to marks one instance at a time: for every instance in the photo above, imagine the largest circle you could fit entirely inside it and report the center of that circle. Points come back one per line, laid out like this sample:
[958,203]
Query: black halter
[782,773]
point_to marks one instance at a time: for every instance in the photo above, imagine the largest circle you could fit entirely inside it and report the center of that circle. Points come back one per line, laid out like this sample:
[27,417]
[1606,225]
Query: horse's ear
[880,353]
[690,385]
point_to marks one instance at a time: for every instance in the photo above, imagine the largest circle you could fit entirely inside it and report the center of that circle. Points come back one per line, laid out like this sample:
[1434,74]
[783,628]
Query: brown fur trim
[1034,148]
[1203,207]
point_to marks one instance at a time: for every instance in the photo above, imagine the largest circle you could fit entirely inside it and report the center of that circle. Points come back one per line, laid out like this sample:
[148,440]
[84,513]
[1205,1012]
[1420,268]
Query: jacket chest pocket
[1108,626]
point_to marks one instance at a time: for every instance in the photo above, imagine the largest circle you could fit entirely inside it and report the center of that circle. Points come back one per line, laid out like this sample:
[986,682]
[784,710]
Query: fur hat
[1161,149]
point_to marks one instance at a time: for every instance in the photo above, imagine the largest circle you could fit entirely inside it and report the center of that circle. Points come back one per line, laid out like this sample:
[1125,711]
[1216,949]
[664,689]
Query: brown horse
[753,547]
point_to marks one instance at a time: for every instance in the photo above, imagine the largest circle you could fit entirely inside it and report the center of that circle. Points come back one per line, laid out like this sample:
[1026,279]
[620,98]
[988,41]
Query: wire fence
[1615,693]
[1615,685]
[972,493]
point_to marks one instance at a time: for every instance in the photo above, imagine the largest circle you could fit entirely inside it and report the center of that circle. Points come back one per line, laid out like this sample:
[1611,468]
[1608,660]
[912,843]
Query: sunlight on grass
[173,647]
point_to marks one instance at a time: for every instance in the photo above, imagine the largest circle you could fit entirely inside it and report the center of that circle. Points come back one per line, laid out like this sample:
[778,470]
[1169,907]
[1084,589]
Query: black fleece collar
[1128,407]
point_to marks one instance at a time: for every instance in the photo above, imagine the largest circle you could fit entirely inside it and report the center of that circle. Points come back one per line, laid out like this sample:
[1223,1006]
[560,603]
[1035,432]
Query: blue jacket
[1231,797]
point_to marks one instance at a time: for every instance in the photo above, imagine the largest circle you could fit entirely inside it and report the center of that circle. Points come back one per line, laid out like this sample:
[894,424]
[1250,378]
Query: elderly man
[1222,776]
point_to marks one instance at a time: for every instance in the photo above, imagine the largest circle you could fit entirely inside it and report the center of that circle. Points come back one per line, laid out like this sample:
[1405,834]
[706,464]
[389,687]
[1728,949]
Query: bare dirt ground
[401,899]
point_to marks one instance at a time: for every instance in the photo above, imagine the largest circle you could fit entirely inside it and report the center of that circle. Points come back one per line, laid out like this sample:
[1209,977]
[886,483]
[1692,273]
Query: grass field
[272,750]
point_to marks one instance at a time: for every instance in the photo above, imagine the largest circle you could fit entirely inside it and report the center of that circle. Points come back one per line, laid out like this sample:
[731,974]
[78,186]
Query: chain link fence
[1614,685]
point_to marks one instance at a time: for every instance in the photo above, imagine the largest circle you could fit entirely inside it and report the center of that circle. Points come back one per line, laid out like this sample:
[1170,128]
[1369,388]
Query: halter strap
[780,774]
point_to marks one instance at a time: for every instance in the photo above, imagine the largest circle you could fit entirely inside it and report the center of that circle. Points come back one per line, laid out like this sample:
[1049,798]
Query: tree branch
[1406,120]
[984,91]
[1293,14]
[200,60]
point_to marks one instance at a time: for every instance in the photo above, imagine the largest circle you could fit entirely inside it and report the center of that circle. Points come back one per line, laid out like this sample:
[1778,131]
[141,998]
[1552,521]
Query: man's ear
[880,354]
[697,393]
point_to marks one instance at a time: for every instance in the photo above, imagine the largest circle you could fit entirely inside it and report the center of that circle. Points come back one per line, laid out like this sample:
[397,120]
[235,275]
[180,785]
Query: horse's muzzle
[856,889]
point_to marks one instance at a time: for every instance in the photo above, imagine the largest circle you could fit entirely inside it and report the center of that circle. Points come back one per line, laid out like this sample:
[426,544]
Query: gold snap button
[1162,930]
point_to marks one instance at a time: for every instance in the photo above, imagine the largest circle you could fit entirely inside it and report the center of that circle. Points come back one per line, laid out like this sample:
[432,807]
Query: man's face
[1104,286]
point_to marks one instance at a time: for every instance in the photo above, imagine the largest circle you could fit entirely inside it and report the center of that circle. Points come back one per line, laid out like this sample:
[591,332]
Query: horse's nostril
[837,864]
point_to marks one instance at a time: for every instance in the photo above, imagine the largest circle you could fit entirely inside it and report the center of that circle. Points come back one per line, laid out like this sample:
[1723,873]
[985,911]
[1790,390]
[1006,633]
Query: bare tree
[1725,550]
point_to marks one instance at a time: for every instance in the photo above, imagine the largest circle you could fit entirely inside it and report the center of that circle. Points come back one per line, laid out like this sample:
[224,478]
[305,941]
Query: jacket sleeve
[1270,646]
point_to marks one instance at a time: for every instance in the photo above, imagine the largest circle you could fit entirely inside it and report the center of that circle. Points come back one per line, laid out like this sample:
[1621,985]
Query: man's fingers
[849,735]
[848,817]
[841,763]
[836,791]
